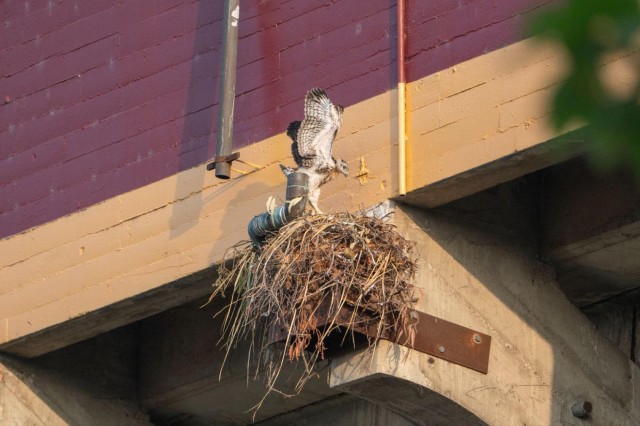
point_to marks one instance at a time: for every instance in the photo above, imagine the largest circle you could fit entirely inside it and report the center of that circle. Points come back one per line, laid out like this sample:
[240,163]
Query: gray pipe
[265,223]
[224,140]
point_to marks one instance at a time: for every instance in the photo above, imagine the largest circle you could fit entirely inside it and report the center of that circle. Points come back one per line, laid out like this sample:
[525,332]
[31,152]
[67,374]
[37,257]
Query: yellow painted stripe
[402,138]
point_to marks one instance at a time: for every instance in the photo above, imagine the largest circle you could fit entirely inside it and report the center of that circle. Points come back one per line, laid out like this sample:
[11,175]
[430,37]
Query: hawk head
[342,167]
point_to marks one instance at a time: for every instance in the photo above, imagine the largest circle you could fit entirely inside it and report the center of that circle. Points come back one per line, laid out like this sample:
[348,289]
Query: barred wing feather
[320,125]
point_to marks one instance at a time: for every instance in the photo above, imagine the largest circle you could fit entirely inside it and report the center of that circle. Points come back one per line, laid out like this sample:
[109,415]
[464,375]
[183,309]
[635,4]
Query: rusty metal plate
[434,336]
[453,342]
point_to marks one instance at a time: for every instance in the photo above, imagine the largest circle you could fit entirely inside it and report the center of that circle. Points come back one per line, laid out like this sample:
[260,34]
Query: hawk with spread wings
[313,142]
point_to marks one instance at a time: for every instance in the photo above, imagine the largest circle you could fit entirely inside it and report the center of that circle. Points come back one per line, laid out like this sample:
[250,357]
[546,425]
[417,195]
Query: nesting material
[326,261]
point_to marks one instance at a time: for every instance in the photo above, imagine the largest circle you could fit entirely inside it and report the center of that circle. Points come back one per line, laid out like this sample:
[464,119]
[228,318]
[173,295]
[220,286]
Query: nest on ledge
[302,279]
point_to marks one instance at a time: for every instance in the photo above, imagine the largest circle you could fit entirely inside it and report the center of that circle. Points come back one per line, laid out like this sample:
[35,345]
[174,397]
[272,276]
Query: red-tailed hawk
[313,141]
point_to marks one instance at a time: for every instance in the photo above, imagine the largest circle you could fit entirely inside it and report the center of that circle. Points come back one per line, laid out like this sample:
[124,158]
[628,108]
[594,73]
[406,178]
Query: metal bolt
[441,349]
[581,409]
[477,338]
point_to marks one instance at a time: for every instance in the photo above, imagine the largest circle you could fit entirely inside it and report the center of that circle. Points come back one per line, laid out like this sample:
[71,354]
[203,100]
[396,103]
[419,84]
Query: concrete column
[545,354]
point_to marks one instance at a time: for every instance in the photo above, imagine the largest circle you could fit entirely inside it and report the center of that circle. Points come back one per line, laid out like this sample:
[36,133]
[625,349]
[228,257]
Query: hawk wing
[318,129]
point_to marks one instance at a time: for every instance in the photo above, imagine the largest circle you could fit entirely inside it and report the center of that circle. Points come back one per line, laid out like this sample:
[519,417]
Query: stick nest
[303,277]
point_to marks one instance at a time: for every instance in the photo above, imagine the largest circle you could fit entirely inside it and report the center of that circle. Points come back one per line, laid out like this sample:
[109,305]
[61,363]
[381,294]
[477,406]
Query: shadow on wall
[234,227]
[198,134]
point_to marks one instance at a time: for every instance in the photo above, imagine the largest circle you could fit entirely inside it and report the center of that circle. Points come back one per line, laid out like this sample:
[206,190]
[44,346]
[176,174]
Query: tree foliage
[592,33]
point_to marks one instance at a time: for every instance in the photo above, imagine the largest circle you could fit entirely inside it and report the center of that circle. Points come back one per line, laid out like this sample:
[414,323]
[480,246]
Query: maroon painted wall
[442,33]
[100,97]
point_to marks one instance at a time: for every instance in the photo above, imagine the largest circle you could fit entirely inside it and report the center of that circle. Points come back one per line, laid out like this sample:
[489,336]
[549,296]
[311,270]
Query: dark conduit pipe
[224,140]
[265,223]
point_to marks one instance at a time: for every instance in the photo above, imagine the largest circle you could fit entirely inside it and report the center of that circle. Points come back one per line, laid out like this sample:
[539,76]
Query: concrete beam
[412,401]
[591,228]
[104,318]
[617,319]
[545,353]
[20,404]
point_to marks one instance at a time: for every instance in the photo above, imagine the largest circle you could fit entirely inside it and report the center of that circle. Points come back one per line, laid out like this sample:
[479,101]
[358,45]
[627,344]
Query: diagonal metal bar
[452,342]
[434,336]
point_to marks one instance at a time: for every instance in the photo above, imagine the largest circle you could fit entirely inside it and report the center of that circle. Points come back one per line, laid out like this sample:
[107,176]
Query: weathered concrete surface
[33,396]
[109,317]
[57,280]
[179,381]
[91,383]
[545,354]
[413,401]
[479,269]
[62,271]
[617,319]
[486,175]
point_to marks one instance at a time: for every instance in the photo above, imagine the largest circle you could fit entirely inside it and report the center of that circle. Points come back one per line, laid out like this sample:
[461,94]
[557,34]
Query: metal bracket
[223,159]
[434,336]
[453,342]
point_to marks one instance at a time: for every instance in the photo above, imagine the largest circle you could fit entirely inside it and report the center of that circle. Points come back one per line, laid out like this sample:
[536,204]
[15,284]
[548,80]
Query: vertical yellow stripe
[402,161]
